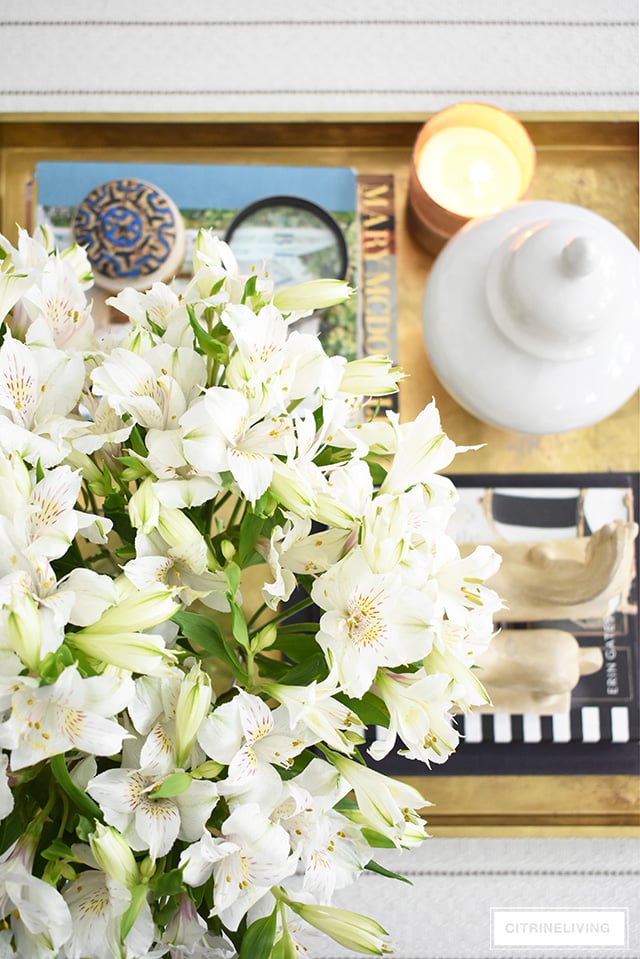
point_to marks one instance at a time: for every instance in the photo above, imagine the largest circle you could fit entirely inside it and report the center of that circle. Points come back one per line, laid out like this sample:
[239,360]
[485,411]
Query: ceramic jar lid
[133,233]
[532,317]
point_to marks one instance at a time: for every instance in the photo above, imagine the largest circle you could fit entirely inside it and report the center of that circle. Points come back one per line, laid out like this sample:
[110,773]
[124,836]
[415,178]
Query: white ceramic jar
[532,317]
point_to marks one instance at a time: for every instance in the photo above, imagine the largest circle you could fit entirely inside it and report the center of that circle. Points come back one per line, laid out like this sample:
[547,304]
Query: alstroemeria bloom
[177,483]
[419,708]
[186,930]
[58,309]
[255,369]
[221,433]
[315,707]
[331,848]
[7,801]
[386,805]
[72,713]
[421,449]
[156,308]
[371,620]
[20,268]
[251,855]
[155,389]
[244,733]
[38,389]
[118,636]
[30,901]
[128,801]
[346,496]
[97,904]
[113,855]
[461,583]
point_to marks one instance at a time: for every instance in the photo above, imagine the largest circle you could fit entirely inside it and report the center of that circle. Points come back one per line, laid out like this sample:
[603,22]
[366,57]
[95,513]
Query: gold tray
[591,161]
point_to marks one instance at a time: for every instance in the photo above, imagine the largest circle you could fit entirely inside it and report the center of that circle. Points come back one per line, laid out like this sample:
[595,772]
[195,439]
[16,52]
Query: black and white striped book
[600,733]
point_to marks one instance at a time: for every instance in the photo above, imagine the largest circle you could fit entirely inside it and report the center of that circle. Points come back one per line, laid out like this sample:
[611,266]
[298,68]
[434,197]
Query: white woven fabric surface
[445,914]
[365,56]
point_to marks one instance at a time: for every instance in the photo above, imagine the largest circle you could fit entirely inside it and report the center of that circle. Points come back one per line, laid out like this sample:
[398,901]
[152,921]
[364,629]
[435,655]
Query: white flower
[386,805]
[58,309]
[251,855]
[346,496]
[158,307]
[461,587]
[371,620]
[155,389]
[421,449]
[6,796]
[38,388]
[97,905]
[20,268]
[419,708]
[315,707]
[331,848]
[245,733]
[129,802]
[117,637]
[33,903]
[194,700]
[222,433]
[72,713]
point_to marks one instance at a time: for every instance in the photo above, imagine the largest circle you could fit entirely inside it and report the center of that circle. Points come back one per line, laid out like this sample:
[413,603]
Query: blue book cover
[300,222]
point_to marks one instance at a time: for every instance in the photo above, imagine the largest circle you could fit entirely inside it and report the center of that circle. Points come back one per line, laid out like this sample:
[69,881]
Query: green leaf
[173,785]
[232,574]
[239,625]
[377,840]
[285,947]
[84,827]
[374,866]
[371,710]
[315,667]
[57,850]
[137,442]
[297,646]
[250,529]
[378,472]
[138,896]
[250,287]
[209,345]
[168,884]
[83,803]
[206,635]
[257,941]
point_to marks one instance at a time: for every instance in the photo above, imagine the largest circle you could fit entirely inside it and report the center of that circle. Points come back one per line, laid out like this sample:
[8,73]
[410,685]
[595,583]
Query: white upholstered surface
[285,56]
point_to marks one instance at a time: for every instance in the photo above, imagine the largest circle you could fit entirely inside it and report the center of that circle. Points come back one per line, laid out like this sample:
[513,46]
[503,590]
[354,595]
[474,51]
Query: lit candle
[469,160]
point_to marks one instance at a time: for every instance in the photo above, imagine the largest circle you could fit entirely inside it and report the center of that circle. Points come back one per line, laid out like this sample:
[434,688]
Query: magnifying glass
[296,239]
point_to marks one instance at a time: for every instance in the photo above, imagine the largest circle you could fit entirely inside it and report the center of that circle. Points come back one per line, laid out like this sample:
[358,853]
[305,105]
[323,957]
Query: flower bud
[347,928]
[371,376]
[194,700]
[144,507]
[24,629]
[313,295]
[114,856]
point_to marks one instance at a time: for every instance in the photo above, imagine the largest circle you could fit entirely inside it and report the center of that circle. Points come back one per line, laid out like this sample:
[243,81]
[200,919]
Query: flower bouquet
[218,571]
